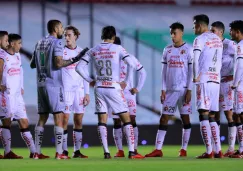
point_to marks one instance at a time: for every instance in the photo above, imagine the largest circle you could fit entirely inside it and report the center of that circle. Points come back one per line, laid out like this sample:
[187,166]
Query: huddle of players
[215,65]
[211,60]
[61,90]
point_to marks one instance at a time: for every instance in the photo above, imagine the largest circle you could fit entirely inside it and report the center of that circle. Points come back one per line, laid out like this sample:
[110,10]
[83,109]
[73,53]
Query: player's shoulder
[3,53]
[240,44]
[229,42]
[79,48]
[168,47]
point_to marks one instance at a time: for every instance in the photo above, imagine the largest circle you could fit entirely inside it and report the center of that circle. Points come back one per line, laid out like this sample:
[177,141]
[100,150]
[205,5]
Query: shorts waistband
[213,82]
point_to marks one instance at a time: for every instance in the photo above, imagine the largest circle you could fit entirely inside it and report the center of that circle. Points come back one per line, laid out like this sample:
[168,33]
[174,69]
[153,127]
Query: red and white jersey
[107,60]
[138,67]
[210,59]
[177,61]
[71,79]
[238,75]
[229,52]
[12,72]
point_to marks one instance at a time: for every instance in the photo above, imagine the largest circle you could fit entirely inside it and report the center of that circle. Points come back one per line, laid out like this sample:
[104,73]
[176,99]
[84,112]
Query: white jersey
[106,58]
[71,79]
[210,59]
[177,61]
[229,51]
[123,73]
[12,72]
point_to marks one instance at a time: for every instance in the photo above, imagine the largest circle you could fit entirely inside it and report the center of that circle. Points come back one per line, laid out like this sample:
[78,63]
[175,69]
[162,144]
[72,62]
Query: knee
[6,122]
[65,119]
[133,121]
[117,122]
[164,119]
[203,117]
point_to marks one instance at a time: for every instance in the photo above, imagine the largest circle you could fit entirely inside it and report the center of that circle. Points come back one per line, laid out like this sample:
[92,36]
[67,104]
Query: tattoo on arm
[59,62]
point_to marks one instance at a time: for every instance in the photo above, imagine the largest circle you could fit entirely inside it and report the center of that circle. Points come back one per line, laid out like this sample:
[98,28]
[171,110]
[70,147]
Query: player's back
[46,49]
[107,59]
[210,60]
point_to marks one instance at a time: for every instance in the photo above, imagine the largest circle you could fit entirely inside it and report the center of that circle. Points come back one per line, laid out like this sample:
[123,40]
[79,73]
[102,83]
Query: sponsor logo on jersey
[13,71]
[104,79]
[131,103]
[183,51]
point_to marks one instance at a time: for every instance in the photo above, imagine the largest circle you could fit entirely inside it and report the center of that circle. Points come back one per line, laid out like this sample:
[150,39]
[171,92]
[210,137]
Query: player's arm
[82,67]
[197,49]
[163,76]
[190,71]
[58,54]
[2,87]
[86,92]
[32,61]
[22,79]
[239,67]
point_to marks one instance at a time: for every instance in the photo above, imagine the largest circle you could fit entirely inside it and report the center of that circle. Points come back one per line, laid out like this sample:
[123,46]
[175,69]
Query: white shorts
[74,101]
[208,96]
[106,98]
[12,106]
[226,97]
[238,100]
[131,103]
[174,99]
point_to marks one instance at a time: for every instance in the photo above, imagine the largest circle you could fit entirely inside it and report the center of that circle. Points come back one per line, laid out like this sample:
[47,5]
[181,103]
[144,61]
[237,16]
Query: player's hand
[123,85]
[162,97]
[197,79]
[188,96]
[134,91]
[233,87]
[22,91]
[227,79]
[92,84]
[3,88]
[86,100]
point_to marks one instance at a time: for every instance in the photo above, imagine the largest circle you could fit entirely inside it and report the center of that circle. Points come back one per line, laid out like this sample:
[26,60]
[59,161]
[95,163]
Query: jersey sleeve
[198,44]
[137,64]
[58,48]
[164,70]
[163,58]
[122,53]
[2,54]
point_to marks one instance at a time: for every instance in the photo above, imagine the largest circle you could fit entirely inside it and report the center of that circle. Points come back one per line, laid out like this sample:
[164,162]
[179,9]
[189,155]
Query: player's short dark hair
[13,37]
[74,29]
[177,25]
[219,25]
[201,18]
[3,33]
[237,25]
[52,24]
[108,32]
[117,41]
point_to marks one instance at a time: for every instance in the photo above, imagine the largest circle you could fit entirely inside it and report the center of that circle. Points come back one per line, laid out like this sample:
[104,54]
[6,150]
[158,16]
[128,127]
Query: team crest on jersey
[17,57]
[7,59]
[131,103]
[65,53]
[183,51]
[169,51]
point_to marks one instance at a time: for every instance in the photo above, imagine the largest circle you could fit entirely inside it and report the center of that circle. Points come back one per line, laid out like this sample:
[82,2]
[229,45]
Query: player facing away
[176,89]
[207,61]
[107,57]
[236,33]
[76,92]
[226,94]
[48,60]
[130,95]
[3,46]
[12,102]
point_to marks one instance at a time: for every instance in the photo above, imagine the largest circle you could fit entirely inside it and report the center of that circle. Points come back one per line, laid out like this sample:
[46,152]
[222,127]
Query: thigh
[171,102]
[69,101]
[56,99]
[184,108]
[43,102]
[226,97]
[214,96]
[116,101]
[5,110]
[131,102]
[203,96]
[100,102]
[78,105]
[20,108]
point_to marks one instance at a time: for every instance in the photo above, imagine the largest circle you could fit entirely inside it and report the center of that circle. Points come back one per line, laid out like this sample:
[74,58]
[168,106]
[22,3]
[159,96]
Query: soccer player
[130,95]
[48,59]
[12,102]
[3,46]
[76,92]
[226,95]
[236,33]
[108,86]
[207,61]
[176,88]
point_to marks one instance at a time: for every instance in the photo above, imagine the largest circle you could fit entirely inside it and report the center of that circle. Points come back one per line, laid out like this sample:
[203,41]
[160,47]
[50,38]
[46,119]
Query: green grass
[95,162]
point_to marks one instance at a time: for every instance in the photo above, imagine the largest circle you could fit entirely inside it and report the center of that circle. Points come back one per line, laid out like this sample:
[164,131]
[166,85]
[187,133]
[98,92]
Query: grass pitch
[95,162]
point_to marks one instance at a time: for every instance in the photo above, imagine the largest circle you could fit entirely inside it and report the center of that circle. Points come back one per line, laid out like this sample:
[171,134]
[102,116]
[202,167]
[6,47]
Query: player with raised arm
[236,33]
[108,86]
[207,62]
[130,95]
[176,89]
[226,95]
[12,102]
[76,92]
[48,60]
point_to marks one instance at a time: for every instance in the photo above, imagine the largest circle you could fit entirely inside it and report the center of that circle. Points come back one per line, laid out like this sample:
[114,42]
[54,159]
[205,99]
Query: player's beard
[59,36]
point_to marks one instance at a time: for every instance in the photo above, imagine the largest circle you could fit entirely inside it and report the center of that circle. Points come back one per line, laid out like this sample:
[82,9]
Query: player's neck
[222,38]
[179,44]
[73,46]
[108,41]
[240,39]
[53,34]
[11,51]
[204,30]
